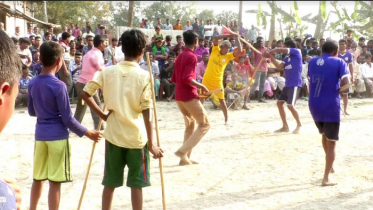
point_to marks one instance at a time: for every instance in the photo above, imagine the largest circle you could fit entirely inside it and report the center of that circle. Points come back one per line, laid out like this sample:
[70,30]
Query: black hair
[71,41]
[322,39]
[47,34]
[298,40]
[171,54]
[24,40]
[168,38]
[342,41]
[133,42]
[31,36]
[15,40]
[65,35]
[189,37]
[205,53]
[362,39]
[78,54]
[364,46]
[114,39]
[290,43]
[368,55]
[315,42]
[308,41]
[98,40]
[10,62]
[37,37]
[330,47]
[201,39]
[178,37]
[50,52]
[102,27]
[89,27]
[281,41]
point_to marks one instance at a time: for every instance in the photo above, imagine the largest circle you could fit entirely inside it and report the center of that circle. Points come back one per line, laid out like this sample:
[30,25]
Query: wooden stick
[256,68]
[156,128]
[244,41]
[90,163]
[210,92]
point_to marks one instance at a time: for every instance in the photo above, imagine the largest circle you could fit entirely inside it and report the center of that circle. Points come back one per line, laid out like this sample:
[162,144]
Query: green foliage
[120,12]
[323,9]
[227,16]
[207,14]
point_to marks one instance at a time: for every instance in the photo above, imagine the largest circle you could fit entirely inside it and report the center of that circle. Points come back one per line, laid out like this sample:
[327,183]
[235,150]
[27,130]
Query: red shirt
[184,73]
[244,69]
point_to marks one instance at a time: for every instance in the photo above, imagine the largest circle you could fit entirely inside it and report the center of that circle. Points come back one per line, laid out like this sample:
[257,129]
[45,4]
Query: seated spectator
[168,43]
[358,85]
[159,52]
[201,67]
[72,54]
[168,25]
[188,26]
[367,73]
[236,91]
[75,68]
[166,74]
[24,51]
[79,44]
[35,60]
[315,51]
[178,26]
[72,44]
[275,79]
[243,70]
[200,50]
[22,97]
[157,35]
[354,51]
[155,71]
[36,46]
[179,45]
[89,45]
[147,24]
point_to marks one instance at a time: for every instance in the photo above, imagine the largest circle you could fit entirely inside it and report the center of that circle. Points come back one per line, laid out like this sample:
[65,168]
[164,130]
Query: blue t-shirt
[49,102]
[7,197]
[293,68]
[347,57]
[23,84]
[325,72]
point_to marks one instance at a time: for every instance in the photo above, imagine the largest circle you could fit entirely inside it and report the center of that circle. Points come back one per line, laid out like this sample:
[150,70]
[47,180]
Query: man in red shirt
[184,76]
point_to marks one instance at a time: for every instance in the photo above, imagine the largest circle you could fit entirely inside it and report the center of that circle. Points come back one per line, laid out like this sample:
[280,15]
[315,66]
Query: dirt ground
[242,166]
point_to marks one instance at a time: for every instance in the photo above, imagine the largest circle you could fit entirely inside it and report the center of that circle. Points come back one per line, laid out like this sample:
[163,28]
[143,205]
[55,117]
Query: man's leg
[246,99]
[136,198]
[80,107]
[281,110]
[329,160]
[36,191]
[107,198]
[255,85]
[345,102]
[224,108]
[323,139]
[54,195]
[263,77]
[294,111]
[166,87]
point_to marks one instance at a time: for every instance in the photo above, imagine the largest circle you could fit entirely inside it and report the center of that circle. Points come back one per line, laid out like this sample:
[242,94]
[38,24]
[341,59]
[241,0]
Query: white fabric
[366,70]
[208,33]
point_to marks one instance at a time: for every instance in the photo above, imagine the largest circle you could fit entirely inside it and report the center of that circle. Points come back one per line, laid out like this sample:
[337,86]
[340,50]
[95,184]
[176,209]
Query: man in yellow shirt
[178,26]
[129,133]
[219,58]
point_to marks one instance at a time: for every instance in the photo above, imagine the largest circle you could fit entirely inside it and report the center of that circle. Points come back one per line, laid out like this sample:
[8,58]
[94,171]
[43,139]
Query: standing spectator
[3,29]
[349,35]
[200,50]
[253,34]
[195,26]
[166,74]
[98,31]
[37,32]
[261,74]
[315,51]
[168,43]
[188,27]
[242,30]
[219,27]
[89,45]
[75,31]
[50,30]
[47,36]
[179,45]
[168,25]
[17,33]
[79,44]
[103,32]
[201,32]
[178,26]
[89,32]
[142,25]
[109,52]
[60,34]
[64,74]
[367,73]
[209,30]
[235,27]
[159,23]
[29,31]
[155,71]
[24,51]
[75,68]
[36,46]
[322,41]
[32,39]
[84,29]
[93,61]
[361,44]
[201,67]
[347,58]
[22,97]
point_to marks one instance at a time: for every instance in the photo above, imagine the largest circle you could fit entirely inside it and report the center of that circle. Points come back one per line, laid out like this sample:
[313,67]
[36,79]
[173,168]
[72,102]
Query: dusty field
[242,166]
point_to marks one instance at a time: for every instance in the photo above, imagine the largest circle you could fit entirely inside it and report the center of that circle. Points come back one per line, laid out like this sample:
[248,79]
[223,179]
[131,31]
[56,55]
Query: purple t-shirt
[49,102]
[325,73]
[293,68]
[347,57]
[7,197]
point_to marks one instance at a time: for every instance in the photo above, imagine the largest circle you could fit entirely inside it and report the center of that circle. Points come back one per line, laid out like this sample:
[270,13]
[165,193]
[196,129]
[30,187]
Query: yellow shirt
[239,86]
[216,65]
[127,91]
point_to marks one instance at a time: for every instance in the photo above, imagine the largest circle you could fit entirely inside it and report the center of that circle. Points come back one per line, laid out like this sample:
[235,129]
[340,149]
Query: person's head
[114,42]
[29,28]
[361,41]
[146,22]
[168,39]
[353,45]
[72,44]
[133,44]
[368,58]
[15,42]
[235,77]
[308,44]
[2,26]
[188,23]
[280,43]
[87,23]
[232,41]
[179,39]
[102,30]
[159,20]
[360,59]
[24,43]
[252,27]
[364,49]
[205,57]
[315,45]
[290,44]
[66,37]
[64,29]
[72,51]
[98,25]
[196,20]
[99,42]
[242,59]
[157,29]
[201,22]
[298,42]
[219,22]
[36,56]
[80,33]
[50,29]
[18,29]
[151,57]
[260,42]
[159,42]
[342,44]
[171,57]
[89,40]
[167,21]
[190,38]
[32,39]
[322,41]
[25,70]
[370,44]
[78,57]
[51,55]
[201,42]
[36,30]
[225,47]
[48,36]
[178,21]
[331,47]
[349,32]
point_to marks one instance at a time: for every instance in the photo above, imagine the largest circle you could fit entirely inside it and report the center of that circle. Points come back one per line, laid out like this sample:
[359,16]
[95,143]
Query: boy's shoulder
[131,68]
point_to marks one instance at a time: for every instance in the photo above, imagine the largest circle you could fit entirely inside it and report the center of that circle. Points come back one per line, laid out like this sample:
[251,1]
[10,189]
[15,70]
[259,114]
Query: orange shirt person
[178,26]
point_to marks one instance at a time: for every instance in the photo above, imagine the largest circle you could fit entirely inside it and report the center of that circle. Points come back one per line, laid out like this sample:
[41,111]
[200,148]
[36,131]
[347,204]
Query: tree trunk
[272,29]
[324,26]
[45,11]
[319,23]
[130,13]
[240,14]
[282,34]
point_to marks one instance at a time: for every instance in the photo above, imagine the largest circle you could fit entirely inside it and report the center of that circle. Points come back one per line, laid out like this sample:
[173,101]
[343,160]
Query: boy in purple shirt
[48,100]
[292,65]
[346,56]
[325,74]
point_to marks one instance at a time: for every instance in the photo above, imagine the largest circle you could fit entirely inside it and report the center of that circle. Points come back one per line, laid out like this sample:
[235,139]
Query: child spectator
[129,90]
[166,74]
[155,71]
[23,84]
[157,35]
[49,102]
[159,52]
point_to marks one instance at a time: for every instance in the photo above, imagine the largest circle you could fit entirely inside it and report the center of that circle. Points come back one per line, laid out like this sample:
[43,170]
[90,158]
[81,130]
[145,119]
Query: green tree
[207,14]
[120,12]
[227,16]
[172,10]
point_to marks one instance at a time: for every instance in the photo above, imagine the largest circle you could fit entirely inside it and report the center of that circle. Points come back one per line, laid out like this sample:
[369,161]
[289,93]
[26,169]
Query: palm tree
[131,7]
[240,13]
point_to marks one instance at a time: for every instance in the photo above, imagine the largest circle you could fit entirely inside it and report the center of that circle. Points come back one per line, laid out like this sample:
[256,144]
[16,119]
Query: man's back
[92,61]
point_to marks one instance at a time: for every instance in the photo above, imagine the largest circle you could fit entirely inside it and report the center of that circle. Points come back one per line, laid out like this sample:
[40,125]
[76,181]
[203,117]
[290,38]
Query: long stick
[257,67]
[90,163]
[156,129]
[205,95]
[244,41]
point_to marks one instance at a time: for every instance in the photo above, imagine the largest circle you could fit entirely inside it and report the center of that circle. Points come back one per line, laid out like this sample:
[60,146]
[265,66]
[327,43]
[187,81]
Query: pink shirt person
[200,71]
[92,62]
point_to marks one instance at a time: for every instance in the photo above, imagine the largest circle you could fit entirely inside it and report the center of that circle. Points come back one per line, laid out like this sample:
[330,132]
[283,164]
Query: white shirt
[168,27]
[119,55]
[366,70]
[209,33]
[72,67]
[90,33]
[188,28]
[28,34]
[220,29]
[26,52]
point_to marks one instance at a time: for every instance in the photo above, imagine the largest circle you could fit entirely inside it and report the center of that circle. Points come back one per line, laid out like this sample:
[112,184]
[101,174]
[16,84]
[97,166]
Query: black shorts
[329,129]
[290,95]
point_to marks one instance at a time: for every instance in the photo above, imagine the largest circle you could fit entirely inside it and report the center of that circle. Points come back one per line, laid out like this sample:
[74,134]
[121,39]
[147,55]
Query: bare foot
[326,183]
[184,160]
[296,131]
[226,123]
[193,162]
[282,130]
[245,107]
[345,112]
[184,163]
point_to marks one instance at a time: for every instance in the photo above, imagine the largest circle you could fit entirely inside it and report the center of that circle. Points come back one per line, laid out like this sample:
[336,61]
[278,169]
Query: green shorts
[52,161]
[137,160]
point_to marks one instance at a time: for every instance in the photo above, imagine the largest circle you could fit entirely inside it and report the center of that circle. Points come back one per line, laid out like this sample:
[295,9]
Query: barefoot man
[325,74]
[184,76]
[219,58]
[292,65]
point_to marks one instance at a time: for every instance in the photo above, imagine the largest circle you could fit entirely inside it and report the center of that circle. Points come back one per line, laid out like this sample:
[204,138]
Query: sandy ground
[242,166]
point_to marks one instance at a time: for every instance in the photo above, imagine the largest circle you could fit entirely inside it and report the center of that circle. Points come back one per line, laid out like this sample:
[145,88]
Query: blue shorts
[290,95]
[329,129]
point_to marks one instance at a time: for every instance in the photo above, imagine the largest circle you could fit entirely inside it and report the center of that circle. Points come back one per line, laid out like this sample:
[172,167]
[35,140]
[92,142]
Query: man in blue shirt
[346,56]
[328,76]
[292,65]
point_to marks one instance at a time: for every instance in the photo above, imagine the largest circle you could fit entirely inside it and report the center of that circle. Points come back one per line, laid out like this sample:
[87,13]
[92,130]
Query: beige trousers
[193,112]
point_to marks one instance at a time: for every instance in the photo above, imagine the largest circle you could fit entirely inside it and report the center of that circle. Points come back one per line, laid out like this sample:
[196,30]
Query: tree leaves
[323,9]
